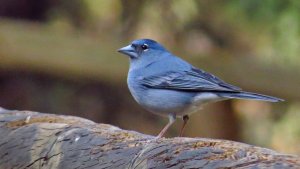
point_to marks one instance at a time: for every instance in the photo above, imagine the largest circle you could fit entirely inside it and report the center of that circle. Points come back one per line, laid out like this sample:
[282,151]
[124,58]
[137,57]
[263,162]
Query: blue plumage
[167,85]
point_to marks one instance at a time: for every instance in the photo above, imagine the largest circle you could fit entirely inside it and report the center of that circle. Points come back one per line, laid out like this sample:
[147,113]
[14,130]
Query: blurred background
[59,56]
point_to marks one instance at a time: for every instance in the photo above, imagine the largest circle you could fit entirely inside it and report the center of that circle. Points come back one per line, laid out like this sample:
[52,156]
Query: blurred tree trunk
[227,124]
[217,120]
[131,14]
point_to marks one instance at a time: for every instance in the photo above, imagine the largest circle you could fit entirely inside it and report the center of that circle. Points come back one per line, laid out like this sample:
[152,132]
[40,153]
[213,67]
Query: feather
[189,80]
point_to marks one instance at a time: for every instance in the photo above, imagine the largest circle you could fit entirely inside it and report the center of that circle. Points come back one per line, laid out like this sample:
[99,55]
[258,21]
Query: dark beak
[128,50]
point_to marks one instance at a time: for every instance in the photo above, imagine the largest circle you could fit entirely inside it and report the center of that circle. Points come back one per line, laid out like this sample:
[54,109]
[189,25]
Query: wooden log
[38,140]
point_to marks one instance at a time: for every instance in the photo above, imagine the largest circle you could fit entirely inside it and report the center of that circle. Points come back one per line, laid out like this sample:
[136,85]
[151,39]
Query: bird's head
[142,48]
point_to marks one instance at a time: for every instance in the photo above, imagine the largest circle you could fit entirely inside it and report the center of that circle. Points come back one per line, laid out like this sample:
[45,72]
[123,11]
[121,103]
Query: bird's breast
[135,87]
[160,101]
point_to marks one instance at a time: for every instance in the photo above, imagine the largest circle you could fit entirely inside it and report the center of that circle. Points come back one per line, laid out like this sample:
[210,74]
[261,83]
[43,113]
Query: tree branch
[38,140]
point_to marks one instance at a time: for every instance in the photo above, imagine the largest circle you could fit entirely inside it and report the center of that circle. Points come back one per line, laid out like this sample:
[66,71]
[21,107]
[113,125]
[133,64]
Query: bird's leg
[185,119]
[172,118]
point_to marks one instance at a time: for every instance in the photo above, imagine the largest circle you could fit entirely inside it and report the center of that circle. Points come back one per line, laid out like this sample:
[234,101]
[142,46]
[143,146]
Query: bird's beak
[128,50]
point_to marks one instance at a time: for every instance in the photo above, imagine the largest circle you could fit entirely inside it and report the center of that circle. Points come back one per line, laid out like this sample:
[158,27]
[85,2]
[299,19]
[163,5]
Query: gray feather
[251,96]
[192,80]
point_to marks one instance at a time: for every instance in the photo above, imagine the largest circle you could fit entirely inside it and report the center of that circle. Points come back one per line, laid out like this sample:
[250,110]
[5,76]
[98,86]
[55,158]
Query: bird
[166,85]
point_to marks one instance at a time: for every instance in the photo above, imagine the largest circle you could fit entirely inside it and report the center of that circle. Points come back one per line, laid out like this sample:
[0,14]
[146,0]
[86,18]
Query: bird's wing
[191,80]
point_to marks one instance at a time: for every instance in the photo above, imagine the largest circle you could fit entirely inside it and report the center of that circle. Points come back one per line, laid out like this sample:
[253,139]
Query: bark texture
[38,140]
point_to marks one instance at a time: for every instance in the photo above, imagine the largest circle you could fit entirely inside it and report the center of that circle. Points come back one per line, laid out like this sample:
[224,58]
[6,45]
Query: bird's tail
[251,96]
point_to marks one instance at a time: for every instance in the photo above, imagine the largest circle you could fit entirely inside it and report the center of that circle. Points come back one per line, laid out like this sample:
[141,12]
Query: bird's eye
[144,46]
